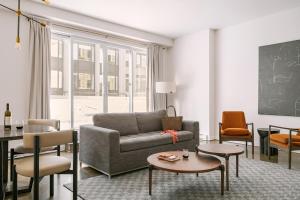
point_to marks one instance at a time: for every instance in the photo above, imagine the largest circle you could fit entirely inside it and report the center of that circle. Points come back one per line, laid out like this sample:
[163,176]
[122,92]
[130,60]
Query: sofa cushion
[125,123]
[151,139]
[150,121]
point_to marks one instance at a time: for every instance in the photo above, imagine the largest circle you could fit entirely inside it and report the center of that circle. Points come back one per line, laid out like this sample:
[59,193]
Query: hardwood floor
[60,192]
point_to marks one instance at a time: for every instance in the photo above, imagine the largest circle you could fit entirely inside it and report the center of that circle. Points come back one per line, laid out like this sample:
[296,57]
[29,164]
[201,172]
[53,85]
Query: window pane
[117,78]
[59,98]
[87,93]
[140,84]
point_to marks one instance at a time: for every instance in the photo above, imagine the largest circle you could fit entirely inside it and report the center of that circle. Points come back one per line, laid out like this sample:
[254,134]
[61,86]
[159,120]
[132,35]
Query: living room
[109,76]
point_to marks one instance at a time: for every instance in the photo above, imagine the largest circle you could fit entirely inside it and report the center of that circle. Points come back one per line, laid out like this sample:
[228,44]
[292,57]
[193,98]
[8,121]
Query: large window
[89,77]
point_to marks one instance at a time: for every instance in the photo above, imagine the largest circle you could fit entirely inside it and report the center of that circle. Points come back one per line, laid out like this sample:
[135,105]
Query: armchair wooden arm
[252,126]
[281,127]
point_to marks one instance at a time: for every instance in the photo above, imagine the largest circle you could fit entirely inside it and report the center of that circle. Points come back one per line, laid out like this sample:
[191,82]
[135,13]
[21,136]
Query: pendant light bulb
[18,43]
[46,1]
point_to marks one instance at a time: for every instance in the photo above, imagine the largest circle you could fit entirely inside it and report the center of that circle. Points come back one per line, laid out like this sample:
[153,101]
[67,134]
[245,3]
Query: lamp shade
[165,87]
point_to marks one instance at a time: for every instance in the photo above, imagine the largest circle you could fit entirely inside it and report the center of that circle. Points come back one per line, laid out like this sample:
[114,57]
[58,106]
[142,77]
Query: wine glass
[19,124]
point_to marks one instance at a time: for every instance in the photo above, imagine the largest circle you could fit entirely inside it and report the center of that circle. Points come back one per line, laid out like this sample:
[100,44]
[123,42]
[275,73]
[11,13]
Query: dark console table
[264,146]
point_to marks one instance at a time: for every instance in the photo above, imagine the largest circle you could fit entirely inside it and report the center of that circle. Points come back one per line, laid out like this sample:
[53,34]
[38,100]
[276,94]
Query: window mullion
[105,82]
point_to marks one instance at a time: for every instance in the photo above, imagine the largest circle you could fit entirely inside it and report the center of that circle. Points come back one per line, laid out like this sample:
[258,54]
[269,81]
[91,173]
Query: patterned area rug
[258,180]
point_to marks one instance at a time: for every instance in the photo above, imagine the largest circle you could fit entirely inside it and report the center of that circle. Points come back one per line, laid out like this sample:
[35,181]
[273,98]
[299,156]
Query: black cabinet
[263,133]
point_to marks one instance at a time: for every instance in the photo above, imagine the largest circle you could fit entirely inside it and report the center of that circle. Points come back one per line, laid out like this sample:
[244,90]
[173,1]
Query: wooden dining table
[5,137]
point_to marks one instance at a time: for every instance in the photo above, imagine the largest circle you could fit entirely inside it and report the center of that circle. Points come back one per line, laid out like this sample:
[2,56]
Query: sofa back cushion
[125,123]
[150,121]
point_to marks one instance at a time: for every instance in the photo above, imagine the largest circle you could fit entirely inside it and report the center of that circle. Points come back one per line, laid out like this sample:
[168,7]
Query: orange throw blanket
[172,133]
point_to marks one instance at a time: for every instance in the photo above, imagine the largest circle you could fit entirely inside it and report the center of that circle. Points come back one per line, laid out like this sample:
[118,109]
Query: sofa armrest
[98,144]
[192,126]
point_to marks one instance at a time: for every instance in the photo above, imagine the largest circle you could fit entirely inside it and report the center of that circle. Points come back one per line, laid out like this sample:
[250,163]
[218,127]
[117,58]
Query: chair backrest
[48,139]
[45,122]
[233,119]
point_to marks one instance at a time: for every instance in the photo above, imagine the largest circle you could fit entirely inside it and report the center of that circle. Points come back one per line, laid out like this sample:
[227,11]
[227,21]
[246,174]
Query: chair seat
[151,139]
[22,149]
[236,132]
[284,138]
[49,164]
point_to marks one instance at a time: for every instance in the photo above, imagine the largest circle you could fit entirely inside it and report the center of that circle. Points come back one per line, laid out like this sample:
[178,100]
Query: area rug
[258,180]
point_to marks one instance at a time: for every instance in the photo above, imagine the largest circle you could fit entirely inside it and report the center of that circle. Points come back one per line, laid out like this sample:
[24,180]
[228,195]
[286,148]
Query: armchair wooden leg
[246,149]
[290,158]
[51,185]
[15,183]
[12,156]
[252,149]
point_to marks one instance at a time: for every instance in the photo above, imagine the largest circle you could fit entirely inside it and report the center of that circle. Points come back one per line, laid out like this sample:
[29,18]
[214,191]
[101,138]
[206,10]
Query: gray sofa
[121,142]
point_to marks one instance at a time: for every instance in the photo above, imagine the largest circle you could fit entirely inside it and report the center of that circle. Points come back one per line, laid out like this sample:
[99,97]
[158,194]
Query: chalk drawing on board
[279,79]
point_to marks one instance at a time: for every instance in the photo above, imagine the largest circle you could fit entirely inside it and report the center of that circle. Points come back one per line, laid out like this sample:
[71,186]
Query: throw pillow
[172,123]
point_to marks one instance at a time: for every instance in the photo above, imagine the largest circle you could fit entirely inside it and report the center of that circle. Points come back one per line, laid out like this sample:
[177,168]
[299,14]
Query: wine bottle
[7,118]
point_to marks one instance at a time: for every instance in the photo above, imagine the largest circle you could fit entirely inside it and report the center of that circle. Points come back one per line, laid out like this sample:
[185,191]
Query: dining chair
[235,128]
[39,166]
[20,149]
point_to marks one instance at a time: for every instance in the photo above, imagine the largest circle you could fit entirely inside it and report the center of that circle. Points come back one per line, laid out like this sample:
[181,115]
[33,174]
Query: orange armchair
[288,142]
[235,128]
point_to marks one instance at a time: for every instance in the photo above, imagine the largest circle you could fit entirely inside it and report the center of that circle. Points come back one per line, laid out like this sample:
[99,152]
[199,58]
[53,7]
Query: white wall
[192,63]
[14,70]
[237,65]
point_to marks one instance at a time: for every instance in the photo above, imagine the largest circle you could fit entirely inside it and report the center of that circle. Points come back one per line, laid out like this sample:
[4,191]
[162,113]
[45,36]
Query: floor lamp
[165,88]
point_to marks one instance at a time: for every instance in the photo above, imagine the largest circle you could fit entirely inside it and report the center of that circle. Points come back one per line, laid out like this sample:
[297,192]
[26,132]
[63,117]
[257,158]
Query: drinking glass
[185,153]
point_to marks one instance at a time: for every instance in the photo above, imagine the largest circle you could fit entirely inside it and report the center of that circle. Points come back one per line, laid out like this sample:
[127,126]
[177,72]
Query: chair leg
[36,183]
[30,184]
[252,149]
[51,185]
[15,183]
[290,158]
[58,150]
[246,149]
[12,156]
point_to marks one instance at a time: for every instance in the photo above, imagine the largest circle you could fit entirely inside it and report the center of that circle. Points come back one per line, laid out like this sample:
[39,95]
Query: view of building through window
[95,78]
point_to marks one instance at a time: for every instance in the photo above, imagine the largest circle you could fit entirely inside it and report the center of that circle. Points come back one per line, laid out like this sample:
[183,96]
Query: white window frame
[104,45]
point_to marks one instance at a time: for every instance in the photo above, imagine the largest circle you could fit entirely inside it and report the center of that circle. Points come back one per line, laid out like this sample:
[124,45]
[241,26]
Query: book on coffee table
[168,157]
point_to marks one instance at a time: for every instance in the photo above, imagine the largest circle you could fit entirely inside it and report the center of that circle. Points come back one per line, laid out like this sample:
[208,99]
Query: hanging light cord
[22,14]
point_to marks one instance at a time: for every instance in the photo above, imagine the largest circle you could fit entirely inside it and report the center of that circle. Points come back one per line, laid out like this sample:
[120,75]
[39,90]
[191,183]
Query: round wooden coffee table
[196,163]
[225,151]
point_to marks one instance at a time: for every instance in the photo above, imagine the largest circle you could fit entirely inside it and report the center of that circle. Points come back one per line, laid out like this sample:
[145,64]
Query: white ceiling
[174,18]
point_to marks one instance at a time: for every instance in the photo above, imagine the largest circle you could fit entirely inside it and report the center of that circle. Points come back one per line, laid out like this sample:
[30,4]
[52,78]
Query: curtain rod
[22,14]
[96,32]
[103,34]
[106,35]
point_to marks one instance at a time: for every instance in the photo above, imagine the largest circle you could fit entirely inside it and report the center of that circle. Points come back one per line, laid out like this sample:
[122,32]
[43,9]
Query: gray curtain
[156,73]
[39,61]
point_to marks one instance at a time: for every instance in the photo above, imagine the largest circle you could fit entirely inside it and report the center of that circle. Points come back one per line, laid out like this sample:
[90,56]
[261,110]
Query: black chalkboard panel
[279,79]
